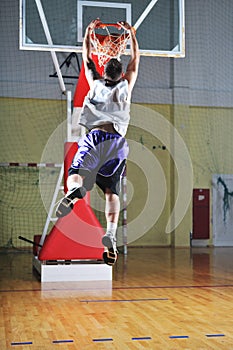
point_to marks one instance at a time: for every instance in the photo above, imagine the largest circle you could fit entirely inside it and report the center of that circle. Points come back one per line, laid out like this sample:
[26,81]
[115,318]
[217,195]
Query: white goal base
[72,272]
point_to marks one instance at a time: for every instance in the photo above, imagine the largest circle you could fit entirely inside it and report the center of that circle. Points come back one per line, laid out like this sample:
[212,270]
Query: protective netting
[21,210]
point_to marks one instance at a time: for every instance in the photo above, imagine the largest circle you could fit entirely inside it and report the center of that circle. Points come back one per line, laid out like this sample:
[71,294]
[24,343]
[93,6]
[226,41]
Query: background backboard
[58,25]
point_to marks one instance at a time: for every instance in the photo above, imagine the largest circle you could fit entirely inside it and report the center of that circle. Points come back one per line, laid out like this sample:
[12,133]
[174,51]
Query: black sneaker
[66,204]
[110,254]
[110,257]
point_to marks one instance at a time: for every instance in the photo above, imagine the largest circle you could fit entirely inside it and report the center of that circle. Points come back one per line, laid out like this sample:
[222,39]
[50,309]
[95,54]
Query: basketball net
[109,45]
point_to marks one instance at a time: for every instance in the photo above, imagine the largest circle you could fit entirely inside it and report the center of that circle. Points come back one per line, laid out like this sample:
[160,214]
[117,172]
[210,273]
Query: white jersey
[107,104]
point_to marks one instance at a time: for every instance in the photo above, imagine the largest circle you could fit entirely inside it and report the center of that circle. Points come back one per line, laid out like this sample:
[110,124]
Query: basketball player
[103,151]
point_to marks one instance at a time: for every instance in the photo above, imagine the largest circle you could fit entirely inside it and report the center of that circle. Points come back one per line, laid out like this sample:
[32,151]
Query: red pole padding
[82,86]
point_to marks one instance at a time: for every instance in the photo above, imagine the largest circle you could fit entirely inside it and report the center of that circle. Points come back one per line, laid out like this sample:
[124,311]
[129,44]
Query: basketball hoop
[109,45]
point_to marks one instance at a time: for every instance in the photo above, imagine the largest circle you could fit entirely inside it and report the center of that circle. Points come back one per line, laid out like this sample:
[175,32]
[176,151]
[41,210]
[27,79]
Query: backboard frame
[25,44]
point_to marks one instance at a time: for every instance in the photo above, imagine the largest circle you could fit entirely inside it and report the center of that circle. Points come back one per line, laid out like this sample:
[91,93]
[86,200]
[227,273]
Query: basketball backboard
[58,25]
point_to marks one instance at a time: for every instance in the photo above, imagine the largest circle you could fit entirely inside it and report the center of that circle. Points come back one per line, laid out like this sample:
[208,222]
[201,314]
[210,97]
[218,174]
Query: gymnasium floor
[160,298]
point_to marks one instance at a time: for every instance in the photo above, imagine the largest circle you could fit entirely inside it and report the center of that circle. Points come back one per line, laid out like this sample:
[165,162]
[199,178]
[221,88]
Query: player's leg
[110,185]
[109,240]
[81,175]
[75,186]
[112,209]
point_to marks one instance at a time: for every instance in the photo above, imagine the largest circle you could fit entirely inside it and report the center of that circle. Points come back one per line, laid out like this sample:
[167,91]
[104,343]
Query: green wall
[27,125]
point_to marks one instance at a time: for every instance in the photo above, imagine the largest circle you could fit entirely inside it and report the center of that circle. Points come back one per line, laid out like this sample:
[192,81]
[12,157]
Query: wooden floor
[160,298]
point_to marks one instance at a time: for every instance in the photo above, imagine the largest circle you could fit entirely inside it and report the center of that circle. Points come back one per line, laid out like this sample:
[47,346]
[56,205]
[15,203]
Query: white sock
[73,185]
[112,227]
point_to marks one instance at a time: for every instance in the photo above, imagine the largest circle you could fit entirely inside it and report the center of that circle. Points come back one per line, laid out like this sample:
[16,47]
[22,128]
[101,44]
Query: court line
[22,343]
[215,335]
[175,287]
[119,300]
[179,336]
[63,341]
[141,338]
[116,288]
[102,340]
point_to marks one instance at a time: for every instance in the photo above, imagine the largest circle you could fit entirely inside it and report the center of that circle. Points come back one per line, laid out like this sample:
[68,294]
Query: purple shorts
[100,159]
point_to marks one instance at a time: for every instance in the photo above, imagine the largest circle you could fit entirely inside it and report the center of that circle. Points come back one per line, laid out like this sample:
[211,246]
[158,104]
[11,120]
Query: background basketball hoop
[109,45]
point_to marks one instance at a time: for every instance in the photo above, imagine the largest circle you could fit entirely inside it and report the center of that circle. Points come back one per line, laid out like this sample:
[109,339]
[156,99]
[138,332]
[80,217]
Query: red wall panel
[201,213]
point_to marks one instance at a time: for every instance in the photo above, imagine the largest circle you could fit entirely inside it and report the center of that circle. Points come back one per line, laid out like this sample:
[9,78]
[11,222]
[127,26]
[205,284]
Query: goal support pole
[124,212]
[50,42]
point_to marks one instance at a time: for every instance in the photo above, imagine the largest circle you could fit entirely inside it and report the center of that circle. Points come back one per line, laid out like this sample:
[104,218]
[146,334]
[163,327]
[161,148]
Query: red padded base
[75,236]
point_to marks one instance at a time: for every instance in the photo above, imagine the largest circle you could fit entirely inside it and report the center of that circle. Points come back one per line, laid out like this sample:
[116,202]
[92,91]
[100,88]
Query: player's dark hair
[113,69]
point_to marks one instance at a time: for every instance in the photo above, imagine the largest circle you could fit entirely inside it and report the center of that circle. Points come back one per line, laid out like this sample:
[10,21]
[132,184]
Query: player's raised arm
[90,68]
[132,68]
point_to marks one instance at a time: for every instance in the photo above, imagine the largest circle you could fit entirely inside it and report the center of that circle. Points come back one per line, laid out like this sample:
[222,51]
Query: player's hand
[95,23]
